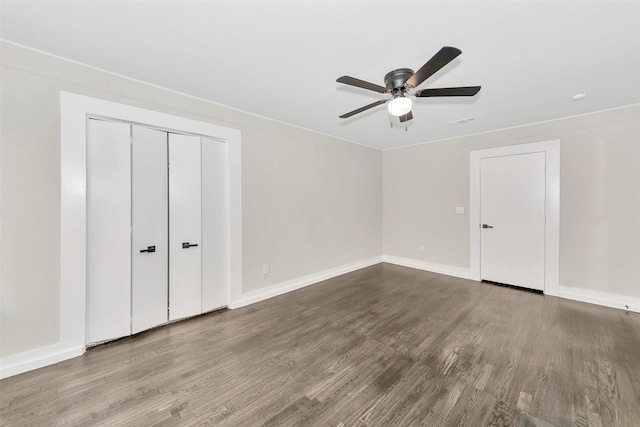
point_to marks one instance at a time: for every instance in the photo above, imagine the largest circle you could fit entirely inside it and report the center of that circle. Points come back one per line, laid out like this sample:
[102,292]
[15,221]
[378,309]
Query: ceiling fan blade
[448,91]
[406,117]
[362,84]
[439,60]
[361,109]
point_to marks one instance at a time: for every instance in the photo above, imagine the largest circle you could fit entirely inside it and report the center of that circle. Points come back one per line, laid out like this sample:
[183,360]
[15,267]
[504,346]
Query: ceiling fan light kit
[399,83]
[400,105]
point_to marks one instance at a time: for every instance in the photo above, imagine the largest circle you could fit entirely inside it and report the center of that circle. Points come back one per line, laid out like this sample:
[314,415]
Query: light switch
[460,210]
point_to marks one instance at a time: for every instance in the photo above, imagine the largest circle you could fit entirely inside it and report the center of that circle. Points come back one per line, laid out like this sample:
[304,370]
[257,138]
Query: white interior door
[185,272]
[512,213]
[150,252]
[108,230]
[214,225]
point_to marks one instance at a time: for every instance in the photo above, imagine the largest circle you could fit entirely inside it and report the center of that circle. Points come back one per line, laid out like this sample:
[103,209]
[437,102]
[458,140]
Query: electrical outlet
[265,269]
[421,248]
[460,210]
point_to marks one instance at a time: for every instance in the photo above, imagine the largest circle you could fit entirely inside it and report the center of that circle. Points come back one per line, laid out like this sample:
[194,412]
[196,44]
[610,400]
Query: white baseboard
[71,353]
[448,270]
[606,299]
[51,354]
[291,285]
[35,359]
[29,360]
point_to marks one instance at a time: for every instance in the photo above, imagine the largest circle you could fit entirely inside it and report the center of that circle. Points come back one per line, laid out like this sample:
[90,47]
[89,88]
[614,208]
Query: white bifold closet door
[185,226]
[149,238]
[108,230]
[157,228]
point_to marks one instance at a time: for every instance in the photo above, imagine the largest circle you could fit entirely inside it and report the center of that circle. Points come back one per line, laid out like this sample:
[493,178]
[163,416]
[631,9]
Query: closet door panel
[214,225]
[150,252]
[185,289]
[108,230]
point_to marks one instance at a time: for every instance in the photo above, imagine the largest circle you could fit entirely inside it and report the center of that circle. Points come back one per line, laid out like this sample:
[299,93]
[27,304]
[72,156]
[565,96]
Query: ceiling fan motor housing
[395,80]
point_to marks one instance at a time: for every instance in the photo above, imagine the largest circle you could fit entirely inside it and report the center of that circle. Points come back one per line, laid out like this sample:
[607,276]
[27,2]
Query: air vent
[462,121]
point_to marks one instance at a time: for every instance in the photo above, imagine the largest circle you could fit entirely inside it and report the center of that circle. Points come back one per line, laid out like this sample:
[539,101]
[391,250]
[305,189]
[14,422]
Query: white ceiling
[281,59]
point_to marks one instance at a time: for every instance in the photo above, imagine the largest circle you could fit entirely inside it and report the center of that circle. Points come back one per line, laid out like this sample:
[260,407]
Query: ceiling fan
[398,84]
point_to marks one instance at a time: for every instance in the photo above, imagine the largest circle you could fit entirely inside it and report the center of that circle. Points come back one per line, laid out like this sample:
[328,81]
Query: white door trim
[74,111]
[552,206]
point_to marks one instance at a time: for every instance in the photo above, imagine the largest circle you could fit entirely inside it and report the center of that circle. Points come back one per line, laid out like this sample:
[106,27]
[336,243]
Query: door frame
[551,149]
[74,111]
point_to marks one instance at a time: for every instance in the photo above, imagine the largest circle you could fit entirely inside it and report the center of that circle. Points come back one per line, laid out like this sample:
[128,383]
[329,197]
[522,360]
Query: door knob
[487,226]
[187,245]
[149,249]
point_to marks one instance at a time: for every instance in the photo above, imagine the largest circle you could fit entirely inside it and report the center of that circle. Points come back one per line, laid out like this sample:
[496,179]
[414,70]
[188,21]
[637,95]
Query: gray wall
[310,202]
[599,198]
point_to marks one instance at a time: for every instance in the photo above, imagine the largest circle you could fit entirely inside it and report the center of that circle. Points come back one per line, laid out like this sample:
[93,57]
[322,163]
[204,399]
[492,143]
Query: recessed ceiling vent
[462,121]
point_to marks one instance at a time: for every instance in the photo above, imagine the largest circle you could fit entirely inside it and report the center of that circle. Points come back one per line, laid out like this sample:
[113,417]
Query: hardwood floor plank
[474,408]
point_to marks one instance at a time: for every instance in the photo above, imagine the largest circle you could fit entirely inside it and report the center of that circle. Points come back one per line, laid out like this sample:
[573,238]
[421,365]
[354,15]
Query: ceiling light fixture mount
[395,80]
[579,96]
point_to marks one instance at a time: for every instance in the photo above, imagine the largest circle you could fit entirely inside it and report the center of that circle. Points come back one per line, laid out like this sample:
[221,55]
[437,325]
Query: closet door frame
[74,113]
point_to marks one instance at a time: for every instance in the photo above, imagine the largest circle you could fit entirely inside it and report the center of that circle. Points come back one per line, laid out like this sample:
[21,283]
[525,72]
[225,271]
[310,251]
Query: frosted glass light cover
[400,106]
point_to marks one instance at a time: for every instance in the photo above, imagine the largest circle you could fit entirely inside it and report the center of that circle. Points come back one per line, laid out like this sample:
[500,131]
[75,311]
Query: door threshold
[506,285]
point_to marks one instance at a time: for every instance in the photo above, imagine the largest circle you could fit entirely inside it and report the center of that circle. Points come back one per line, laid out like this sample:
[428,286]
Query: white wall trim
[604,299]
[471,135]
[74,110]
[29,360]
[44,356]
[448,270]
[185,94]
[35,359]
[601,298]
[552,226]
[49,355]
[291,285]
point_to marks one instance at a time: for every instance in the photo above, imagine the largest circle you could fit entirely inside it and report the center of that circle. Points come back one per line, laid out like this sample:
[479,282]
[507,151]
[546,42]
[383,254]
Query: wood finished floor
[383,346]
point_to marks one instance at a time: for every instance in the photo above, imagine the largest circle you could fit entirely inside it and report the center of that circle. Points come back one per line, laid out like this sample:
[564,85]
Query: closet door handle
[149,249]
[187,245]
